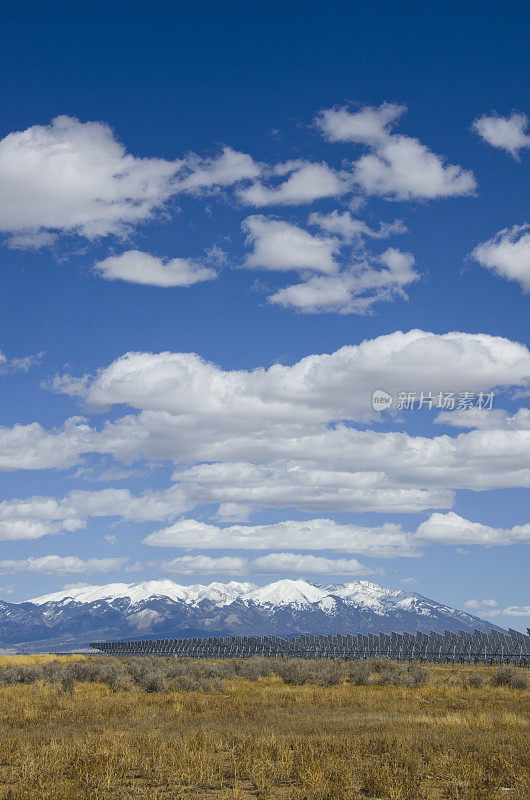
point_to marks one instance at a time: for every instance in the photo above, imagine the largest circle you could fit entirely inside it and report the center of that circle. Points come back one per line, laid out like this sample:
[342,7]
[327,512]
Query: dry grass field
[262,737]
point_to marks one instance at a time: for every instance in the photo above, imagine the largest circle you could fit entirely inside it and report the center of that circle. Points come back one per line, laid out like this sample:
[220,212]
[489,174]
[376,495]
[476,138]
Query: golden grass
[35,660]
[266,739]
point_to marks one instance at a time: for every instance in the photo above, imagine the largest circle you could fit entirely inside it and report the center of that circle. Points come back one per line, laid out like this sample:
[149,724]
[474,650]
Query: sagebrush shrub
[292,671]
[254,668]
[325,672]
[156,674]
[506,675]
[358,672]
[415,676]
[412,675]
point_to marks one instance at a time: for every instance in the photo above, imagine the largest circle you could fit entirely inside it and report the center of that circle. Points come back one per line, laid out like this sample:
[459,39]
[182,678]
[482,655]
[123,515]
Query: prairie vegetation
[157,729]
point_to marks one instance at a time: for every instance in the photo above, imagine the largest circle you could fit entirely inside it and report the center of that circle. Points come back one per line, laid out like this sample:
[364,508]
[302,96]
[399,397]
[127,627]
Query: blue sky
[260,188]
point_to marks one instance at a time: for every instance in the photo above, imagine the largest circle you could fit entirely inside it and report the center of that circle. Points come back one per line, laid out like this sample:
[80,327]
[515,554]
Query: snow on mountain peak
[286,592]
[296,593]
[368,595]
[117,591]
[283,608]
[222,594]
[219,593]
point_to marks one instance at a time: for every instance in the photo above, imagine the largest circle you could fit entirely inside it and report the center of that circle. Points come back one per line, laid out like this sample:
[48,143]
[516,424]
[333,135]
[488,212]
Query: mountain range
[71,618]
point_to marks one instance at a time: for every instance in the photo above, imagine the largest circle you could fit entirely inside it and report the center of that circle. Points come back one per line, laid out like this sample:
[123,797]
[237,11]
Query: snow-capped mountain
[155,609]
[297,594]
[218,593]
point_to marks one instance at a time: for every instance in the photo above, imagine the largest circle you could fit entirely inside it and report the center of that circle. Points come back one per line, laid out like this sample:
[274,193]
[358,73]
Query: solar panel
[493,647]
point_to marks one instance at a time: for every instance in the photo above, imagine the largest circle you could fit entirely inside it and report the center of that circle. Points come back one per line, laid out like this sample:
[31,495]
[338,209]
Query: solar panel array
[464,647]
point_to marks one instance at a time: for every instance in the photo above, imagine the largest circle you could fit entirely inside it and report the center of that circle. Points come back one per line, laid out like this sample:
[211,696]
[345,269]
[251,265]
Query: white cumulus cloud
[487,607]
[368,125]
[342,284]
[296,564]
[486,419]
[191,565]
[355,289]
[505,133]
[33,447]
[35,527]
[270,438]
[306,183]
[317,388]
[60,565]
[398,167]
[516,611]
[229,168]
[20,364]
[385,541]
[507,254]
[134,266]
[350,229]
[76,177]
[451,528]
[34,517]
[279,245]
